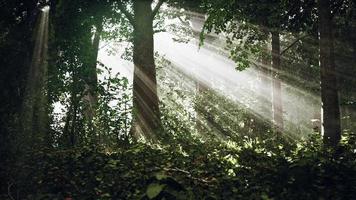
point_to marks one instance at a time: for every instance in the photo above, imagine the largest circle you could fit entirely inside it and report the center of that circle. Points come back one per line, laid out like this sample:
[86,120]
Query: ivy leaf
[154,189]
[161,176]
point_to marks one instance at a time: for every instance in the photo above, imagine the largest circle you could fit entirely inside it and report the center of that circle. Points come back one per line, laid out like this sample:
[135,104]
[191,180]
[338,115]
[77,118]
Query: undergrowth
[252,168]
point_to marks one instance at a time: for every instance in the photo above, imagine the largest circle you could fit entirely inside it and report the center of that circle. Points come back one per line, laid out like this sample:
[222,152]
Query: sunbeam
[250,88]
[177,99]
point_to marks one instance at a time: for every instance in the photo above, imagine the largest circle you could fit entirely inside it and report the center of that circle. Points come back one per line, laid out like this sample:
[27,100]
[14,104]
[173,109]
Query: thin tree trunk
[72,136]
[200,121]
[316,121]
[329,91]
[66,133]
[146,116]
[69,134]
[266,84]
[277,93]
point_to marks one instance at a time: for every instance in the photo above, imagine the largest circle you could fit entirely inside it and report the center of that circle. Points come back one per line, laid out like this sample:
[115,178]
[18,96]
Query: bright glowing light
[250,88]
[35,101]
[45,9]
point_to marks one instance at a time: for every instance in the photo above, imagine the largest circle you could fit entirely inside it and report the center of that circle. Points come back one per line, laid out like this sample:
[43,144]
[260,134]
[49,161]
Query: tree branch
[156,9]
[9,190]
[292,44]
[128,15]
[206,181]
[160,31]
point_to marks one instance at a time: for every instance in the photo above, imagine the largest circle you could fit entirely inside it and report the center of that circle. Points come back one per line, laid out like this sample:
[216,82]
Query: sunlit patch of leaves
[260,169]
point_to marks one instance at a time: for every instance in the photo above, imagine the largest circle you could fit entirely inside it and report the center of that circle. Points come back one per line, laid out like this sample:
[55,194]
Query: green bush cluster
[251,168]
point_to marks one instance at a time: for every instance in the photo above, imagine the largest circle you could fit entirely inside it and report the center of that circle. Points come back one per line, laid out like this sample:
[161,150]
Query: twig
[156,9]
[188,173]
[128,15]
[292,44]
[9,190]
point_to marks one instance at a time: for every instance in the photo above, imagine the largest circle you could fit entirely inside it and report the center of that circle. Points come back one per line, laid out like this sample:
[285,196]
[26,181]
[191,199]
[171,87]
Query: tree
[329,89]
[90,77]
[78,31]
[146,115]
[277,87]
[18,22]
[250,24]
[34,117]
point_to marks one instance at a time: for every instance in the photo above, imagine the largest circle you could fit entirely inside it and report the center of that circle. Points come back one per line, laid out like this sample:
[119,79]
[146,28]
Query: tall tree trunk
[352,37]
[329,91]
[277,92]
[34,116]
[146,116]
[353,106]
[266,83]
[91,80]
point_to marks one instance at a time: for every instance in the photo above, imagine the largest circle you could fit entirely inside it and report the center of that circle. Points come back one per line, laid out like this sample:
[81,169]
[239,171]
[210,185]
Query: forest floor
[255,170]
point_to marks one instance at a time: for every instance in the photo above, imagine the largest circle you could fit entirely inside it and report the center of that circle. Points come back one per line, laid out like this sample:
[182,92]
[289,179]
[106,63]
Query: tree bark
[200,120]
[91,80]
[34,116]
[266,83]
[329,90]
[276,91]
[146,116]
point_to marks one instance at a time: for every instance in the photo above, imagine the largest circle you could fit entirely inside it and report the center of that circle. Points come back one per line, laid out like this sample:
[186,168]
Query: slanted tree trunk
[329,90]
[146,116]
[276,91]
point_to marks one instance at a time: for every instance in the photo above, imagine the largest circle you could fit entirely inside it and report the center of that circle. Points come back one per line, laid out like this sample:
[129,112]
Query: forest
[177,99]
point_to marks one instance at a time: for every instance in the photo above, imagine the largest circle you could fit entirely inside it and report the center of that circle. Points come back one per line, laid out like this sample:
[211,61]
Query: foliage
[226,119]
[113,112]
[259,169]
[209,147]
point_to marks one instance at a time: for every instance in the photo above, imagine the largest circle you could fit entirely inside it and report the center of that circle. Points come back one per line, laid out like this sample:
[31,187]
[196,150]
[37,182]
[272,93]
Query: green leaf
[154,189]
[160,176]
